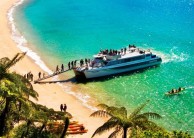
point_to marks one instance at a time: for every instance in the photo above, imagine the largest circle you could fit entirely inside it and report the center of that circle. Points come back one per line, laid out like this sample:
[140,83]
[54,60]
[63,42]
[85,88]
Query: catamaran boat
[109,63]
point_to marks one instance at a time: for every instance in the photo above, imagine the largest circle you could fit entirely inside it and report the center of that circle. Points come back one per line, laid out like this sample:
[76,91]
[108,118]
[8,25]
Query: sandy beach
[51,95]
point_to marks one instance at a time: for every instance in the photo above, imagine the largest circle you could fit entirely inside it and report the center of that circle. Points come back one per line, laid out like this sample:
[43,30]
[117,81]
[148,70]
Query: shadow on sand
[100,79]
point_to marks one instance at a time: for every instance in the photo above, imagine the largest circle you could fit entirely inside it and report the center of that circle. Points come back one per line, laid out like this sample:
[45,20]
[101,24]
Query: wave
[173,56]
[22,42]
[22,45]
[190,87]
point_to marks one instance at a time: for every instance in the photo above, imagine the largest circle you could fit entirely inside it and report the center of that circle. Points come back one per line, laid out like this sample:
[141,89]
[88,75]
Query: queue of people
[29,76]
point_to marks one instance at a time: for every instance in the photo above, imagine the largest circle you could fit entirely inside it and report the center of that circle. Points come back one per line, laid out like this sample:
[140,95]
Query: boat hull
[111,70]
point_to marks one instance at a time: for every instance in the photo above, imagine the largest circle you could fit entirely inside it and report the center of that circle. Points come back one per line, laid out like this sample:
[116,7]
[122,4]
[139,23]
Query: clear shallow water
[61,31]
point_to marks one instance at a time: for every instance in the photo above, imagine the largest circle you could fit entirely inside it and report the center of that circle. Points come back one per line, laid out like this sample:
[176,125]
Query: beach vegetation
[19,116]
[123,124]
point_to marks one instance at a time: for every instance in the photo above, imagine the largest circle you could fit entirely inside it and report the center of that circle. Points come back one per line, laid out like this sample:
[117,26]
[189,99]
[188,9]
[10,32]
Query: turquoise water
[61,31]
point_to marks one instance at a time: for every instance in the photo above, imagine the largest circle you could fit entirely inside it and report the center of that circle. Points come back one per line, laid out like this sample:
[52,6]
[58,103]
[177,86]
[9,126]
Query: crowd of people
[116,52]
[29,76]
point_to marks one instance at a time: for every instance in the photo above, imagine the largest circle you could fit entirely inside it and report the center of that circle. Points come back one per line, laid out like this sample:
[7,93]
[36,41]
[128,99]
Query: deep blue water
[61,31]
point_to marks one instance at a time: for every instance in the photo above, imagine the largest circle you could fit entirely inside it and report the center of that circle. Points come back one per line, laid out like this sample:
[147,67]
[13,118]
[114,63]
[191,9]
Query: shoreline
[51,95]
[22,44]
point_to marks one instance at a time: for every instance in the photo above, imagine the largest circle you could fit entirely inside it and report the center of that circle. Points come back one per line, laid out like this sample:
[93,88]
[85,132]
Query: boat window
[128,60]
[125,60]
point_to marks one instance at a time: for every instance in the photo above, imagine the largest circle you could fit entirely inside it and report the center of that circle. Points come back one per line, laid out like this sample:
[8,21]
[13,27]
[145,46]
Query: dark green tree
[122,123]
[14,91]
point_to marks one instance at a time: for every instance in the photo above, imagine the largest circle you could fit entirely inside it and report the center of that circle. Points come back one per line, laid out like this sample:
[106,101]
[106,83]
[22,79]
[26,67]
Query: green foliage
[163,134]
[180,134]
[32,133]
[16,106]
[122,123]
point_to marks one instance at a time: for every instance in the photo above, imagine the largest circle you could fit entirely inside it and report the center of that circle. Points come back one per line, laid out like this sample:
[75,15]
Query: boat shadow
[99,79]
[72,80]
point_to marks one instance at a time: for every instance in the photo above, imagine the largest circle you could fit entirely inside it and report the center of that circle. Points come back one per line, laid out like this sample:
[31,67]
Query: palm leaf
[150,115]
[103,106]
[14,60]
[100,113]
[137,110]
[149,125]
[105,127]
[4,61]
[115,133]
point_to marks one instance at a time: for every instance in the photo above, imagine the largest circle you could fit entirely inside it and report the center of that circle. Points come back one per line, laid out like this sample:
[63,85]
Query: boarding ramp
[51,75]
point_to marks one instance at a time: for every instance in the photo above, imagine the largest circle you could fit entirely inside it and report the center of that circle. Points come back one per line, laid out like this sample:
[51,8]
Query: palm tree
[6,64]
[121,122]
[43,115]
[14,89]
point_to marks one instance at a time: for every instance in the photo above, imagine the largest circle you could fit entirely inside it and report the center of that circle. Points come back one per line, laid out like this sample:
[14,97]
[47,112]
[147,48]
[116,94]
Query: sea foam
[172,56]
[22,42]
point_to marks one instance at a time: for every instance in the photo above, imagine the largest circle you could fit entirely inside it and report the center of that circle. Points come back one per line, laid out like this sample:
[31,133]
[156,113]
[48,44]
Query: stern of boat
[79,75]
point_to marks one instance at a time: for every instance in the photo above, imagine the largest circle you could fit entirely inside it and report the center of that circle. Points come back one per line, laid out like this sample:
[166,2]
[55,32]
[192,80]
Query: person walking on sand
[72,64]
[75,63]
[57,69]
[69,65]
[64,107]
[39,75]
[62,67]
[61,107]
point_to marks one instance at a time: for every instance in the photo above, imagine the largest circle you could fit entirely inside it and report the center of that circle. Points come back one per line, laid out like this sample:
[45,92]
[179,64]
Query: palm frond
[123,112]
[105,127]
[4,61]
[103,106]
[14,60]
[100,113]
[149,125]
[24,84]
[115,133]
[140,118]
[137,110]
[112,109]
[151,115]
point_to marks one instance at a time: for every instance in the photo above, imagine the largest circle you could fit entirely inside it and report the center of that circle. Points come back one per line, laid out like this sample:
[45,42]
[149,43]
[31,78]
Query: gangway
[51,75]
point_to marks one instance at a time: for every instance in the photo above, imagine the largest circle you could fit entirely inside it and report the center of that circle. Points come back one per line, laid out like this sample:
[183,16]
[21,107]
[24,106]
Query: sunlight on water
[80,30]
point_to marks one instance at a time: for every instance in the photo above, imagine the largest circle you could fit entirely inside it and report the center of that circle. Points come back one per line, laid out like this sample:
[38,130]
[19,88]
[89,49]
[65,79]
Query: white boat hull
[116,69]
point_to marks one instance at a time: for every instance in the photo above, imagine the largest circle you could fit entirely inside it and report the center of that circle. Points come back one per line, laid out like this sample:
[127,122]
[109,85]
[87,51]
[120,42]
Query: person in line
[57,69]
[75,63]
[69,65]
[81,62]
[121,51]
[86,60]
[27,76]
[125,49]
[62,67]
[39,75]
[61,107]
